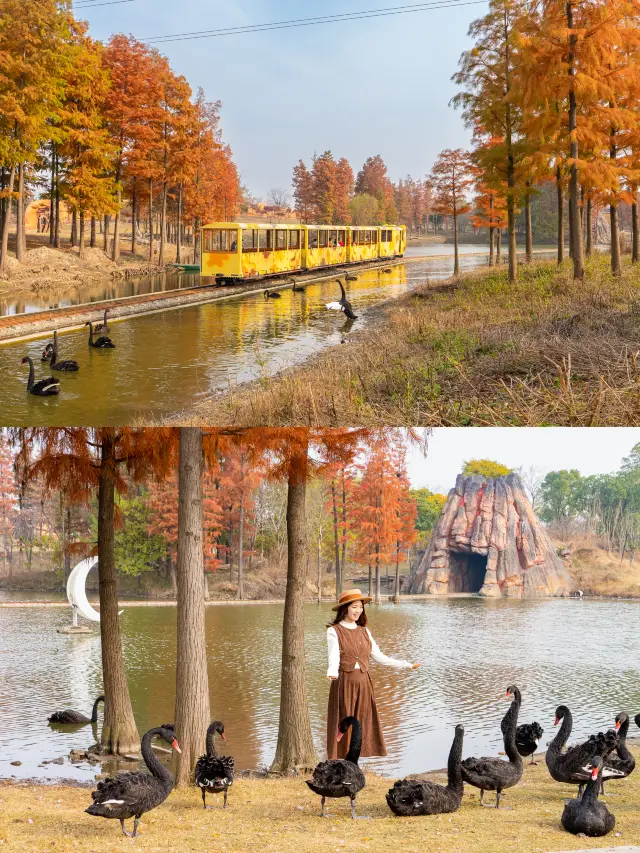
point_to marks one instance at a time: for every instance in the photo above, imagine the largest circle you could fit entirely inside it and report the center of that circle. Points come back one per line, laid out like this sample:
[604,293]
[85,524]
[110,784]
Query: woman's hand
[332,678]
[416,665]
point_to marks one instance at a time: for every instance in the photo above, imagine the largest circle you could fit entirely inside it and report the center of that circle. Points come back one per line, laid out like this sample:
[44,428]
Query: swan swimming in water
[343,304]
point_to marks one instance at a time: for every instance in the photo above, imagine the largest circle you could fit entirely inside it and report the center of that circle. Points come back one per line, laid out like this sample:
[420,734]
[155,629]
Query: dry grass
[281,816]
[597,572]
[476,351]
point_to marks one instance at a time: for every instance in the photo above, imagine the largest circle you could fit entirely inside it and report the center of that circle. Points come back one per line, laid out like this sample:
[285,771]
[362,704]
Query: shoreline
[467,351]
[385,599]
[21,327]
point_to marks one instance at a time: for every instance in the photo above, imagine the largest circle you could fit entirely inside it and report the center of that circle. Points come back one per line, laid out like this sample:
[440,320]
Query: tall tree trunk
[492,257]
[589,227]
[119,732]
[377,595]
[56,238]
[498,246]
[115,252]
[528,229]
[560,215]
[105,234]
[370,593]
[192,682]
[295,741]
[5,224]
[616,261]
[635,236]
[343,556]
[74,227]
[163,224]
[20,239]
[456,261]
[134,214]
[81,242]
[240,592]
[575,232]
[396,592]
[179,224]
[150,220]
[52,195]
[92,242]
[336,539]
[196,241]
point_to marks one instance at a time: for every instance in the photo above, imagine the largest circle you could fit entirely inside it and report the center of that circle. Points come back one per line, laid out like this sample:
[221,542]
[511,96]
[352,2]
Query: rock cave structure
[488,540]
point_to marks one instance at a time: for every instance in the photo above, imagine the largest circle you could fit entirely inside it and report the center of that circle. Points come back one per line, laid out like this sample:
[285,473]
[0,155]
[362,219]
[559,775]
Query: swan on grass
[132,794]
[341,777]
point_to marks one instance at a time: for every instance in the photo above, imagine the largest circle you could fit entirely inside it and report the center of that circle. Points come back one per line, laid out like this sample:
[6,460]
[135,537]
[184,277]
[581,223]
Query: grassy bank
[281,816]
[472,351]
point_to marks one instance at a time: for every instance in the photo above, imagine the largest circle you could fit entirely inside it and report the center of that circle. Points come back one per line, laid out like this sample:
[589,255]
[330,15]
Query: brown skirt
[351,694]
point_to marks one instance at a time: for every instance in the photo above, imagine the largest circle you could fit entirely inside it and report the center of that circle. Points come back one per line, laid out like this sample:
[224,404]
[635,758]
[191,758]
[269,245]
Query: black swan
[104,326]
[75,717]
[133,794]
[298,288]
[343,304]
[588,816]
[623,760]
[387,270]
[350,277]
[494,774]
[272,294]
[43,387]
[100,343]
[572,766]
[527,735]
[412,797]
[214,773]
[54,364]
[341,777]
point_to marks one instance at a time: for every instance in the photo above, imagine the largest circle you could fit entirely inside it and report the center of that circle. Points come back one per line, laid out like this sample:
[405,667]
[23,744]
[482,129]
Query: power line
[309,22]
[87,4]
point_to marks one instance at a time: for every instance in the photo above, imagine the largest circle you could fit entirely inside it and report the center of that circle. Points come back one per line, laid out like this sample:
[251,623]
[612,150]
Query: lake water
[580,653]
[172,360]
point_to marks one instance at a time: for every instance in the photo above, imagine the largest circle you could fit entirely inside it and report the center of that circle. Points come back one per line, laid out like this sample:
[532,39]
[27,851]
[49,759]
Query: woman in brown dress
[351,647]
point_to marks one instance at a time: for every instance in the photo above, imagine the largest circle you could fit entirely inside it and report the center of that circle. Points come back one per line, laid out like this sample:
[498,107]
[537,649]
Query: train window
[294,239]
[265,239]
[342,238]
[333,239]
[367,237]
[322,239]
[250,240]
[220,240]
[281,239]
[313,238]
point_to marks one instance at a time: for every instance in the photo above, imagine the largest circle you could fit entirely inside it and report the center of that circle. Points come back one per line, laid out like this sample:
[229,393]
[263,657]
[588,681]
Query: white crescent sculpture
[76,590]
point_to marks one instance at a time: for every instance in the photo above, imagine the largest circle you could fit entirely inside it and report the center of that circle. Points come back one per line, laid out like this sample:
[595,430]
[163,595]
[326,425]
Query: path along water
[470,650]
[171,360]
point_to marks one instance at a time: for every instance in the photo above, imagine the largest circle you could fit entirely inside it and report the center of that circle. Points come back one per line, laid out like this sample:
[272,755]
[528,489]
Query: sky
[357,88]
[590,450]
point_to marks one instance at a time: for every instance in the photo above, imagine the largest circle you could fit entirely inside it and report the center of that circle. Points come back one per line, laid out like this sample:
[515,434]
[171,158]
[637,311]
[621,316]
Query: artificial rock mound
[488,540]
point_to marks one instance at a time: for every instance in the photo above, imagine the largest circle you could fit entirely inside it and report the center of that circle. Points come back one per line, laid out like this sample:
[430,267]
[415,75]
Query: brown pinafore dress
[351,694]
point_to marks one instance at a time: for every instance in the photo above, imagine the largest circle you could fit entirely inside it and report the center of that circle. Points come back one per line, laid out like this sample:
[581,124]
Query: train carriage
[234,251]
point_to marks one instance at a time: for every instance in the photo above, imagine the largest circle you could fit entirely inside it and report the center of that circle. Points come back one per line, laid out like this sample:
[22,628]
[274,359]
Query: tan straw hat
[350,595]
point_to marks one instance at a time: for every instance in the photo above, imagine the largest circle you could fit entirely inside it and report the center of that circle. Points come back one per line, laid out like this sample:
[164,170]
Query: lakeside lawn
[473,351]
[281,816]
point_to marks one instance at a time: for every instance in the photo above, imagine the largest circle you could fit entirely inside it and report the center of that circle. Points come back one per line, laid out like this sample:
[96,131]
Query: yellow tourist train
[232,251]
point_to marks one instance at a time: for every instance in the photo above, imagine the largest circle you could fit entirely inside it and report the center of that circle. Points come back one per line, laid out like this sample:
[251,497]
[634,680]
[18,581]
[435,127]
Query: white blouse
[376,654]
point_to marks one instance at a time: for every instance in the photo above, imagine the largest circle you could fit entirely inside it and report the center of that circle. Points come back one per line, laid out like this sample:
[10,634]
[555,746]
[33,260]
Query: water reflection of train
[231,251]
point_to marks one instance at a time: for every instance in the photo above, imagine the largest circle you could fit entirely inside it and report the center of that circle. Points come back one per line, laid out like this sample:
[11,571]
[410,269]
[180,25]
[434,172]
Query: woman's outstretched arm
[379,657]
[334,654]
